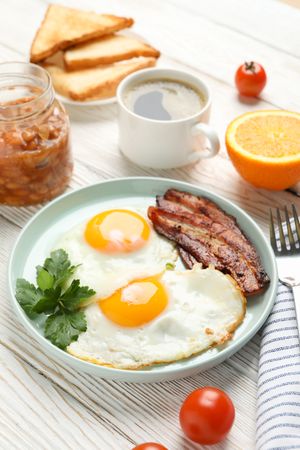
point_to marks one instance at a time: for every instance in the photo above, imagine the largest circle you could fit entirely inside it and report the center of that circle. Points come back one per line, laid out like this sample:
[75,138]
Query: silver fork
[287,252]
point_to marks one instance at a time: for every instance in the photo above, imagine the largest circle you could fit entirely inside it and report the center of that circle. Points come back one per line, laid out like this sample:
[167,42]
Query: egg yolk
[136,304]
[117,231]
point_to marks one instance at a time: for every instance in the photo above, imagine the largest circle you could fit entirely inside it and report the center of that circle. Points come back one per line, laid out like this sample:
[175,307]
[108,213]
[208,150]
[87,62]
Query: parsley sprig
[55,296]
[170,266]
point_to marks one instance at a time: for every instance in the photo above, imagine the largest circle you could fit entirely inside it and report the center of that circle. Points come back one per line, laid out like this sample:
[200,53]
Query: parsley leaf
[75,295]
[57,295]
[64,328]
[59,266]
[44,279]
[27,295]
[170,266]
[49,301]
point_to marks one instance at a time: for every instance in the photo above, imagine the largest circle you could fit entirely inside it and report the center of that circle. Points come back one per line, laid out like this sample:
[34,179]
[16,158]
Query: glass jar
[35,156]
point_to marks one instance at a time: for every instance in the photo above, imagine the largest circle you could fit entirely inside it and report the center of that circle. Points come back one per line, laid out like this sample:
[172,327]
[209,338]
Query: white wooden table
[45,405]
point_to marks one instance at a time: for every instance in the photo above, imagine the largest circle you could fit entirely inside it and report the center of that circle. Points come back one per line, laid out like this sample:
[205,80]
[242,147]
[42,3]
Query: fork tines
[287,238]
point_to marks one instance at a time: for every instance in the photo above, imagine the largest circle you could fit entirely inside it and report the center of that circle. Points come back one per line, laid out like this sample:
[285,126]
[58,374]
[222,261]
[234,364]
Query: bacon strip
[233,236]
[205,248]
[205,233]
[188,260]
[202,205]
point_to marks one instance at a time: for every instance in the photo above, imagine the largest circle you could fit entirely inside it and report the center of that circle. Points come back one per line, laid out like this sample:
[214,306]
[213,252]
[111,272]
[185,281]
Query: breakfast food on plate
[122,303]
[118,246]
[206,234]
[63,27]
[157,319]
[57,295]
[161,319]
[264,148]
[107,50]
[96,83]
[92,69]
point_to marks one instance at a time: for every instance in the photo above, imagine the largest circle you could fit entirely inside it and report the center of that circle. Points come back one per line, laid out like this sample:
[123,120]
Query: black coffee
[164,100]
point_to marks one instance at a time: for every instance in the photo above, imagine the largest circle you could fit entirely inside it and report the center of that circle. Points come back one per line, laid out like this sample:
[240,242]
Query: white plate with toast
[102,102]
[85,57]
[115,73]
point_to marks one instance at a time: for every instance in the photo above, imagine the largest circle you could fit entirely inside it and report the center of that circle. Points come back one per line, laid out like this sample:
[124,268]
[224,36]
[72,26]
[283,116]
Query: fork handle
[296,293]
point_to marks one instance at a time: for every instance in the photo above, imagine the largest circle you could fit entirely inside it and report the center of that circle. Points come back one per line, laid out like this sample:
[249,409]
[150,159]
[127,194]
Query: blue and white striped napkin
[278,396]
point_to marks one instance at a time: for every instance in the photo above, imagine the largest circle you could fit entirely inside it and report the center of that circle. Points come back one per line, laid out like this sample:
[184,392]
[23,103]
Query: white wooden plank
[146,412]
[269,22]
[38,414]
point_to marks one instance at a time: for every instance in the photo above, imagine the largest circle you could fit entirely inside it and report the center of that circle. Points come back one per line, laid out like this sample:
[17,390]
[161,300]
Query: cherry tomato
[150,446]
[207,415]
[250,79]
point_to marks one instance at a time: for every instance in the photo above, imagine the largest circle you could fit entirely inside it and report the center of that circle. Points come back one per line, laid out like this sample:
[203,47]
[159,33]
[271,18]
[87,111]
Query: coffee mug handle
[212,137]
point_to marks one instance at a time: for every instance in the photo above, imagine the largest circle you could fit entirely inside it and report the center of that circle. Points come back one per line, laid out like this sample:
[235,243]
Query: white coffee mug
[165,144]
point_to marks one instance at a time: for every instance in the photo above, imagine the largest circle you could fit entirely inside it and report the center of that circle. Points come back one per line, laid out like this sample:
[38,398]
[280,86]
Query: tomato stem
[250,66]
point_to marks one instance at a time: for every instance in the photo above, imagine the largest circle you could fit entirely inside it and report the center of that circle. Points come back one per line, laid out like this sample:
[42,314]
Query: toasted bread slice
[63,27]
[95,83]
[107,50]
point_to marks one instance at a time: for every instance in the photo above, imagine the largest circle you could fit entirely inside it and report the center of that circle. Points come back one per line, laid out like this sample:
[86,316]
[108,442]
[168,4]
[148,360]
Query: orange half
[264,147]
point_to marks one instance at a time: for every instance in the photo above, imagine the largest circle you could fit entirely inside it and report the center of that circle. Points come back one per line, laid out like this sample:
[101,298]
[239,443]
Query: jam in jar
[35,155]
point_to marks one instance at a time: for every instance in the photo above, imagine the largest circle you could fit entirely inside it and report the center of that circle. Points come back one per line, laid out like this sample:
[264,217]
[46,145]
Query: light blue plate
[38,237]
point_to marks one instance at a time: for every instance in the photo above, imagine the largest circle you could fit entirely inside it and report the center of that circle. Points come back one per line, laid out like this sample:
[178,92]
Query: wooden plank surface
[43,403]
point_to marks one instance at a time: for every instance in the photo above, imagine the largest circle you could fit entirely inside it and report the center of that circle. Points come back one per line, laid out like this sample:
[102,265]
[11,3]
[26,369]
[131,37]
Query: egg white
[205,307]
[106,273]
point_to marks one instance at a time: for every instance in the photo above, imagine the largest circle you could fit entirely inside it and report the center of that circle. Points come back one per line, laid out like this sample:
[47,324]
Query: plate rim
[115,373]
[99,102]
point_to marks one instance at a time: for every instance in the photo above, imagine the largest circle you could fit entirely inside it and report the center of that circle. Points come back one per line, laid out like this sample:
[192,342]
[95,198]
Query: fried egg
[161,319]
[115,247]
